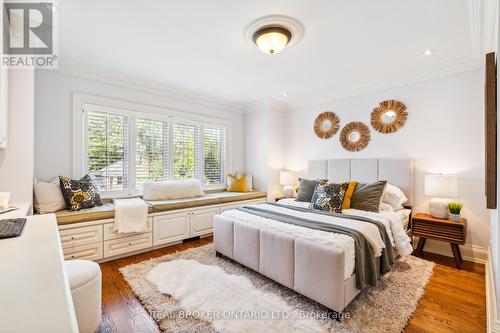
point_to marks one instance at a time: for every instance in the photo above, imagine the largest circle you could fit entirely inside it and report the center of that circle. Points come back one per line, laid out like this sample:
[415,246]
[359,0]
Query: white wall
[264,142]
[16,162]
[444,134]
[54,123]
[256,140]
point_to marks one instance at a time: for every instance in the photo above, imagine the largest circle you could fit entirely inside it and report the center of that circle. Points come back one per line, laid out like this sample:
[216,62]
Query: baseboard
[472,253]
[492,322]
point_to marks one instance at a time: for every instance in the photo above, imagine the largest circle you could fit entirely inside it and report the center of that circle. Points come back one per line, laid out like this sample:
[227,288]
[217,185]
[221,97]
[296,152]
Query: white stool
[85,281]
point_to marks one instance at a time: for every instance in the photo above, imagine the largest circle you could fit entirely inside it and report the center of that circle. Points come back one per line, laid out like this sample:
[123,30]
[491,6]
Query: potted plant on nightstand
[455,208]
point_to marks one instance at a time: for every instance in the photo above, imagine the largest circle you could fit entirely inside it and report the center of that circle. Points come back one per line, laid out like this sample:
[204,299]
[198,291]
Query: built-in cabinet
[97,240]
[202,221]
[171,227]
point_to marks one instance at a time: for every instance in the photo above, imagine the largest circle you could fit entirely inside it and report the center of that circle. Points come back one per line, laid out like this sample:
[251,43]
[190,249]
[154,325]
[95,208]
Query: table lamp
[441,188]
[287,180]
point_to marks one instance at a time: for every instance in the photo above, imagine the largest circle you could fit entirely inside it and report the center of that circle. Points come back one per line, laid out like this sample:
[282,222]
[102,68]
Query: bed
[316,262]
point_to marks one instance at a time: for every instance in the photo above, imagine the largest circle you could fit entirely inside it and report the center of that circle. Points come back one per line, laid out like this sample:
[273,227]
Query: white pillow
[392,198]
[48,197]
[249,180]
[384,207]
[175,189]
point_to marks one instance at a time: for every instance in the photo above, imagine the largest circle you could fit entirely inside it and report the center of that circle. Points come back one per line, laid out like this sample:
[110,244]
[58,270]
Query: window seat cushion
[107,211]
[207,199]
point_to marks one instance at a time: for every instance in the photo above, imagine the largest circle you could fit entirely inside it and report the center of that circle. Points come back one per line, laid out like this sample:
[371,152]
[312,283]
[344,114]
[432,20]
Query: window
[107,150]
[123,148]
[186,151]
[214,146]
[151,151]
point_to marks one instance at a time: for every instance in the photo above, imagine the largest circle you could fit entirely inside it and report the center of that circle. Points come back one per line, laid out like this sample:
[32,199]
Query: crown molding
[151,87]
[441,70]
[266,103]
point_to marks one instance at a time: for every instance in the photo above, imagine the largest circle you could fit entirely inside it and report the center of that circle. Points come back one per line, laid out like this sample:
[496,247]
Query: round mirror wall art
[389,116]
[355,136]
[326,125]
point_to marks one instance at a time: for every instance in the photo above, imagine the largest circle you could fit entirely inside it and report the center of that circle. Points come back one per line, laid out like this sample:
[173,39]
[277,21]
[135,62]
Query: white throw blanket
[393,222]
[131,215]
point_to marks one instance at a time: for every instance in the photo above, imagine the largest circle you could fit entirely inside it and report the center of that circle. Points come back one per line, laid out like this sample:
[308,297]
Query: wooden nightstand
[426,226]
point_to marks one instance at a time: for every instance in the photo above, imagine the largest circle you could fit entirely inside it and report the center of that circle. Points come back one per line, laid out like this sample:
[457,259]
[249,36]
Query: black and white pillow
[329,196]
[80,194]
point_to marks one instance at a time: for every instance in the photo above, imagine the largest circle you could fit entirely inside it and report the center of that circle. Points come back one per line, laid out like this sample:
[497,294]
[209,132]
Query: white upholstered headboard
[398,172]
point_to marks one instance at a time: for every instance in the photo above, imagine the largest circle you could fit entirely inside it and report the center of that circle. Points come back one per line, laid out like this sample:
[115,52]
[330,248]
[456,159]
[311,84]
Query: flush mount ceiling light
[272,34]
[272,39]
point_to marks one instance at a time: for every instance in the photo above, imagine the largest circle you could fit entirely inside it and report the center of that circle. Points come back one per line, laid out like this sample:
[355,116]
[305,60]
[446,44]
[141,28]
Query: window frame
[84,102]
[86,107]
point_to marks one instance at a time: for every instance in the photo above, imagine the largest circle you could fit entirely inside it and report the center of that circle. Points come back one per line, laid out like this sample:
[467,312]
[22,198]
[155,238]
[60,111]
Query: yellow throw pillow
[236,185]
[348,195]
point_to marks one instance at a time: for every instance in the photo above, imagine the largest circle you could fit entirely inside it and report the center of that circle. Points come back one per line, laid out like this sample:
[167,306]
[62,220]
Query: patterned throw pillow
[329,196]
[80,194]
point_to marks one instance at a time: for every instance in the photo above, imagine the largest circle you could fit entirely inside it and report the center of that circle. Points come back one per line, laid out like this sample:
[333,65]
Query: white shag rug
[175,307]
[236,305]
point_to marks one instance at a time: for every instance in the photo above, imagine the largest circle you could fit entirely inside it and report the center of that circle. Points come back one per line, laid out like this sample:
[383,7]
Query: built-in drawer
[111,233]
[127,244]
[202,221]
[80,236]
[88,251]
[169,228]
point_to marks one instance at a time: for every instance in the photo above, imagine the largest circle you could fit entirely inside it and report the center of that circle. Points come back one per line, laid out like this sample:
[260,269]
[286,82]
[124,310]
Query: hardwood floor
[454,301]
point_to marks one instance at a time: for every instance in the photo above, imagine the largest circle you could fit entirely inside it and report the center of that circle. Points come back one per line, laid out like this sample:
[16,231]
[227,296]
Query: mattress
[393,221]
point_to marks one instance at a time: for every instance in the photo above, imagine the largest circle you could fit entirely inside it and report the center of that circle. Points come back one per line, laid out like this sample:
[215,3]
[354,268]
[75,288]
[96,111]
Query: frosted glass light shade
[272,39]
[441,186]
[287,178]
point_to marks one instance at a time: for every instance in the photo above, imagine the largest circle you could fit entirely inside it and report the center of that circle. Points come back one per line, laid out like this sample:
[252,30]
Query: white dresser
[34,292]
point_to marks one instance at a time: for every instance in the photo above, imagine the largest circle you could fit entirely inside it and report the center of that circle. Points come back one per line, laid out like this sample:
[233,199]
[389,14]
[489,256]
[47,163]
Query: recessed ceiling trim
[296,28]
[84,71]
[460,66]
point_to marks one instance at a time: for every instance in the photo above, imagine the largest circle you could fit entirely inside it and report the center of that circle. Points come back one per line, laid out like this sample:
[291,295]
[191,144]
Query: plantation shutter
[107,150]
[214,146]
[151,151]
[186,151]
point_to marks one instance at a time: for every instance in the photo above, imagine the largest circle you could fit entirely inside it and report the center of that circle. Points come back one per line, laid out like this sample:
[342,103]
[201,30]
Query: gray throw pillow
[306,189]
[367,196]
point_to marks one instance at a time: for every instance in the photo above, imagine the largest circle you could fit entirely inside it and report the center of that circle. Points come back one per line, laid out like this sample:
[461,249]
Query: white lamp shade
[287,178]
[441,186]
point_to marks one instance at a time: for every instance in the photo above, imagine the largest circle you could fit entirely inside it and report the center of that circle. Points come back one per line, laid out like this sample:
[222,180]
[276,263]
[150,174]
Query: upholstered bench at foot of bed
[311,269]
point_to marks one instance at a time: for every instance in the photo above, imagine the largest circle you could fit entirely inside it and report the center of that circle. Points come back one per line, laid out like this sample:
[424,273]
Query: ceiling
[198,46]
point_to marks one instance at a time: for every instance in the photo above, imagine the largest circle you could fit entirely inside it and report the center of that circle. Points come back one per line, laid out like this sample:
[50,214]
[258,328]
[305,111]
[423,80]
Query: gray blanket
[368,268]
